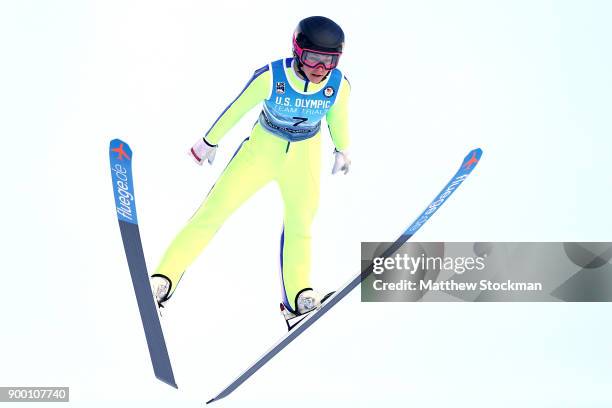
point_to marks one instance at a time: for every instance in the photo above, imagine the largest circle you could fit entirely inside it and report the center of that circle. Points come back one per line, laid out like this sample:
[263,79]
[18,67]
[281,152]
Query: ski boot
[160,286]
[306,301]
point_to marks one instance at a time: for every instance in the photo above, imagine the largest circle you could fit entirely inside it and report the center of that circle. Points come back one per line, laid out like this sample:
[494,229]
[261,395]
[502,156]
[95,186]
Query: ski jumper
[284,146]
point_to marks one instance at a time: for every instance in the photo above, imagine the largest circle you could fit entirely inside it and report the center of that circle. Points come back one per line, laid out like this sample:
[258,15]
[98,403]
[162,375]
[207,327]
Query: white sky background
[528,82]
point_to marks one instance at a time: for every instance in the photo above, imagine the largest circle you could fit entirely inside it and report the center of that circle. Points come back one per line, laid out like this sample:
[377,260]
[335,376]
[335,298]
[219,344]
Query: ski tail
[468,164]
[120,156]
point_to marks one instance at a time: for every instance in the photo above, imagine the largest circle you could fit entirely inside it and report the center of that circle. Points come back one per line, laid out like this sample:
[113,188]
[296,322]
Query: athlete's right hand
[203,151]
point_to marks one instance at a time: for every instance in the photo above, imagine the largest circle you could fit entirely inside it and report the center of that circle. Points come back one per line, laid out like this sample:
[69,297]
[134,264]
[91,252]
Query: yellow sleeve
[255,91]
[337,117]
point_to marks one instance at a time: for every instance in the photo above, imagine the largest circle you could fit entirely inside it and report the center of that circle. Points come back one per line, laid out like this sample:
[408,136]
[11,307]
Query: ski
[123,186]
[468,164]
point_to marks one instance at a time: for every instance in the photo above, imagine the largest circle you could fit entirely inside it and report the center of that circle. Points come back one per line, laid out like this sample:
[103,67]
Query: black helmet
[319,34]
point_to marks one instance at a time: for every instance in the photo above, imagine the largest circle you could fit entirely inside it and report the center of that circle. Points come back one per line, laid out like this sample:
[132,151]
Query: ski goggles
[312,58]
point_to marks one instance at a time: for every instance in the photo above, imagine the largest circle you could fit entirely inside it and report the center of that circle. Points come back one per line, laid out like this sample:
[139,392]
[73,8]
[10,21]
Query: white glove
[160,285]
[202,151]
[342,161]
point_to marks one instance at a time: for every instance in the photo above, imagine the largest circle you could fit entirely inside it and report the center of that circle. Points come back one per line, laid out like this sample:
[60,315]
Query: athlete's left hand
[342,161]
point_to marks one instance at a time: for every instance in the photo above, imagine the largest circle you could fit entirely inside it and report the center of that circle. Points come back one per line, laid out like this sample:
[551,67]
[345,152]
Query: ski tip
[117,141]
[474,152]
[472,158]
[120,150]
[212,400]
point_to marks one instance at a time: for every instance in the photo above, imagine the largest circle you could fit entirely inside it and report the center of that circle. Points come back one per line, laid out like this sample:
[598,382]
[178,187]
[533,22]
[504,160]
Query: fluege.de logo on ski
[433,207]
[124,198]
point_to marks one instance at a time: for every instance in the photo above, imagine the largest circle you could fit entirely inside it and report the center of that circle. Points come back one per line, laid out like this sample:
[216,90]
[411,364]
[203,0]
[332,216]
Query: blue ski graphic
[468,164]
[123,186]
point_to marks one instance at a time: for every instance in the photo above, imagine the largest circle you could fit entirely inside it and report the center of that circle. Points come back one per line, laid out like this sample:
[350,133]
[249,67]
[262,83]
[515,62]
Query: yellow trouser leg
[243,176]
[299,182]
